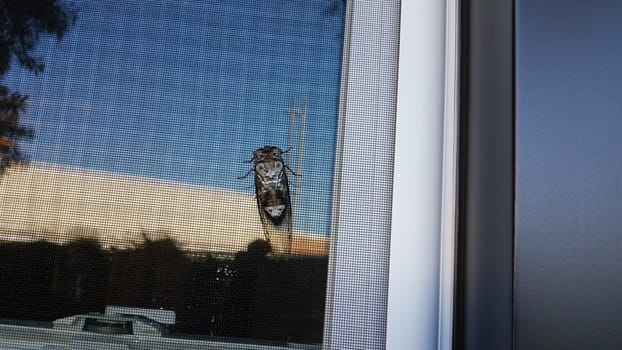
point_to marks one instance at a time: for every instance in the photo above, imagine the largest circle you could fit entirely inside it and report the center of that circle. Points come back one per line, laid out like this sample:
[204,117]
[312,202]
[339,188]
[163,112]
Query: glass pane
[180,167]
[568,244]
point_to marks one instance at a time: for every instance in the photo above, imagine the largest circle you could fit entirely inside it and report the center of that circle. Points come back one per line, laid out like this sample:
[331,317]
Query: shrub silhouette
[250,294]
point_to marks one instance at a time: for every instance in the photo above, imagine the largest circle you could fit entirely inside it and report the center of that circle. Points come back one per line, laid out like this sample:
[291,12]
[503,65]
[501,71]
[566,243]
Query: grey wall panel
[569,175]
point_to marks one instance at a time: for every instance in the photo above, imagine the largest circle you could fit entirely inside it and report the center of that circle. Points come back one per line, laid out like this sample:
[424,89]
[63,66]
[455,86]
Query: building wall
[61,204]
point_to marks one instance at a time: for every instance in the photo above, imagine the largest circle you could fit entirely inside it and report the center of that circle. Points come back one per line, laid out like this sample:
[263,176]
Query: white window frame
[404,145]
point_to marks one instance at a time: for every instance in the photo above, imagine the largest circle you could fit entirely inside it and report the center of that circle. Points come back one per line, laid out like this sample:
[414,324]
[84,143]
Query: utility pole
[294,112]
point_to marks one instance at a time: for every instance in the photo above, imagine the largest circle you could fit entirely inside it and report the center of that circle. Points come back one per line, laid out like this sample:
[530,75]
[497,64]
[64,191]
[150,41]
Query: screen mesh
[169,158]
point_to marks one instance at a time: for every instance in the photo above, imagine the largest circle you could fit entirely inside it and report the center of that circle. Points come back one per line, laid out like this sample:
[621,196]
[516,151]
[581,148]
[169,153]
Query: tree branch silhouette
[22,23]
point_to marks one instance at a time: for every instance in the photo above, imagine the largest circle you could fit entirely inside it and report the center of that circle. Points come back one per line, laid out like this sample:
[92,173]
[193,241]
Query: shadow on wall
[250,294]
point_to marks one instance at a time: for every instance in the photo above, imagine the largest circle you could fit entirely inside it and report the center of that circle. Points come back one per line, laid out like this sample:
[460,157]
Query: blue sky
[186,90]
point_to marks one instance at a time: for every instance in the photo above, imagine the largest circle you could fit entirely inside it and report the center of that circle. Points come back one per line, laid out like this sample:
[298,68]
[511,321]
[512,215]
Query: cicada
[273,195]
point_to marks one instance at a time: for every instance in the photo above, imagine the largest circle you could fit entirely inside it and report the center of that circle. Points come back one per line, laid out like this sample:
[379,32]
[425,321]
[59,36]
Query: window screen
[168,169]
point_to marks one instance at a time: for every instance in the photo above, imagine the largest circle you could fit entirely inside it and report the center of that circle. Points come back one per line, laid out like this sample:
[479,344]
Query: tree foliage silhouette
[22,23]
[10,107]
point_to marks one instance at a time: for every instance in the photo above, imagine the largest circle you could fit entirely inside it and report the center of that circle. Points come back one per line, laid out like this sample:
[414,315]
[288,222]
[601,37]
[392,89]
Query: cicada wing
[263,216]
[275,211]
[278,236]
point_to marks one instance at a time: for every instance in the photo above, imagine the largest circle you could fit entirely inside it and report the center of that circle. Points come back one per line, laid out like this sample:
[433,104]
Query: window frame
[412,91]
[413,307]
[484,310]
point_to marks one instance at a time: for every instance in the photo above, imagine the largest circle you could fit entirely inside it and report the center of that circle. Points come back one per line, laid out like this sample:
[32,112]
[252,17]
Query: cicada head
[267,153]
[269,165]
